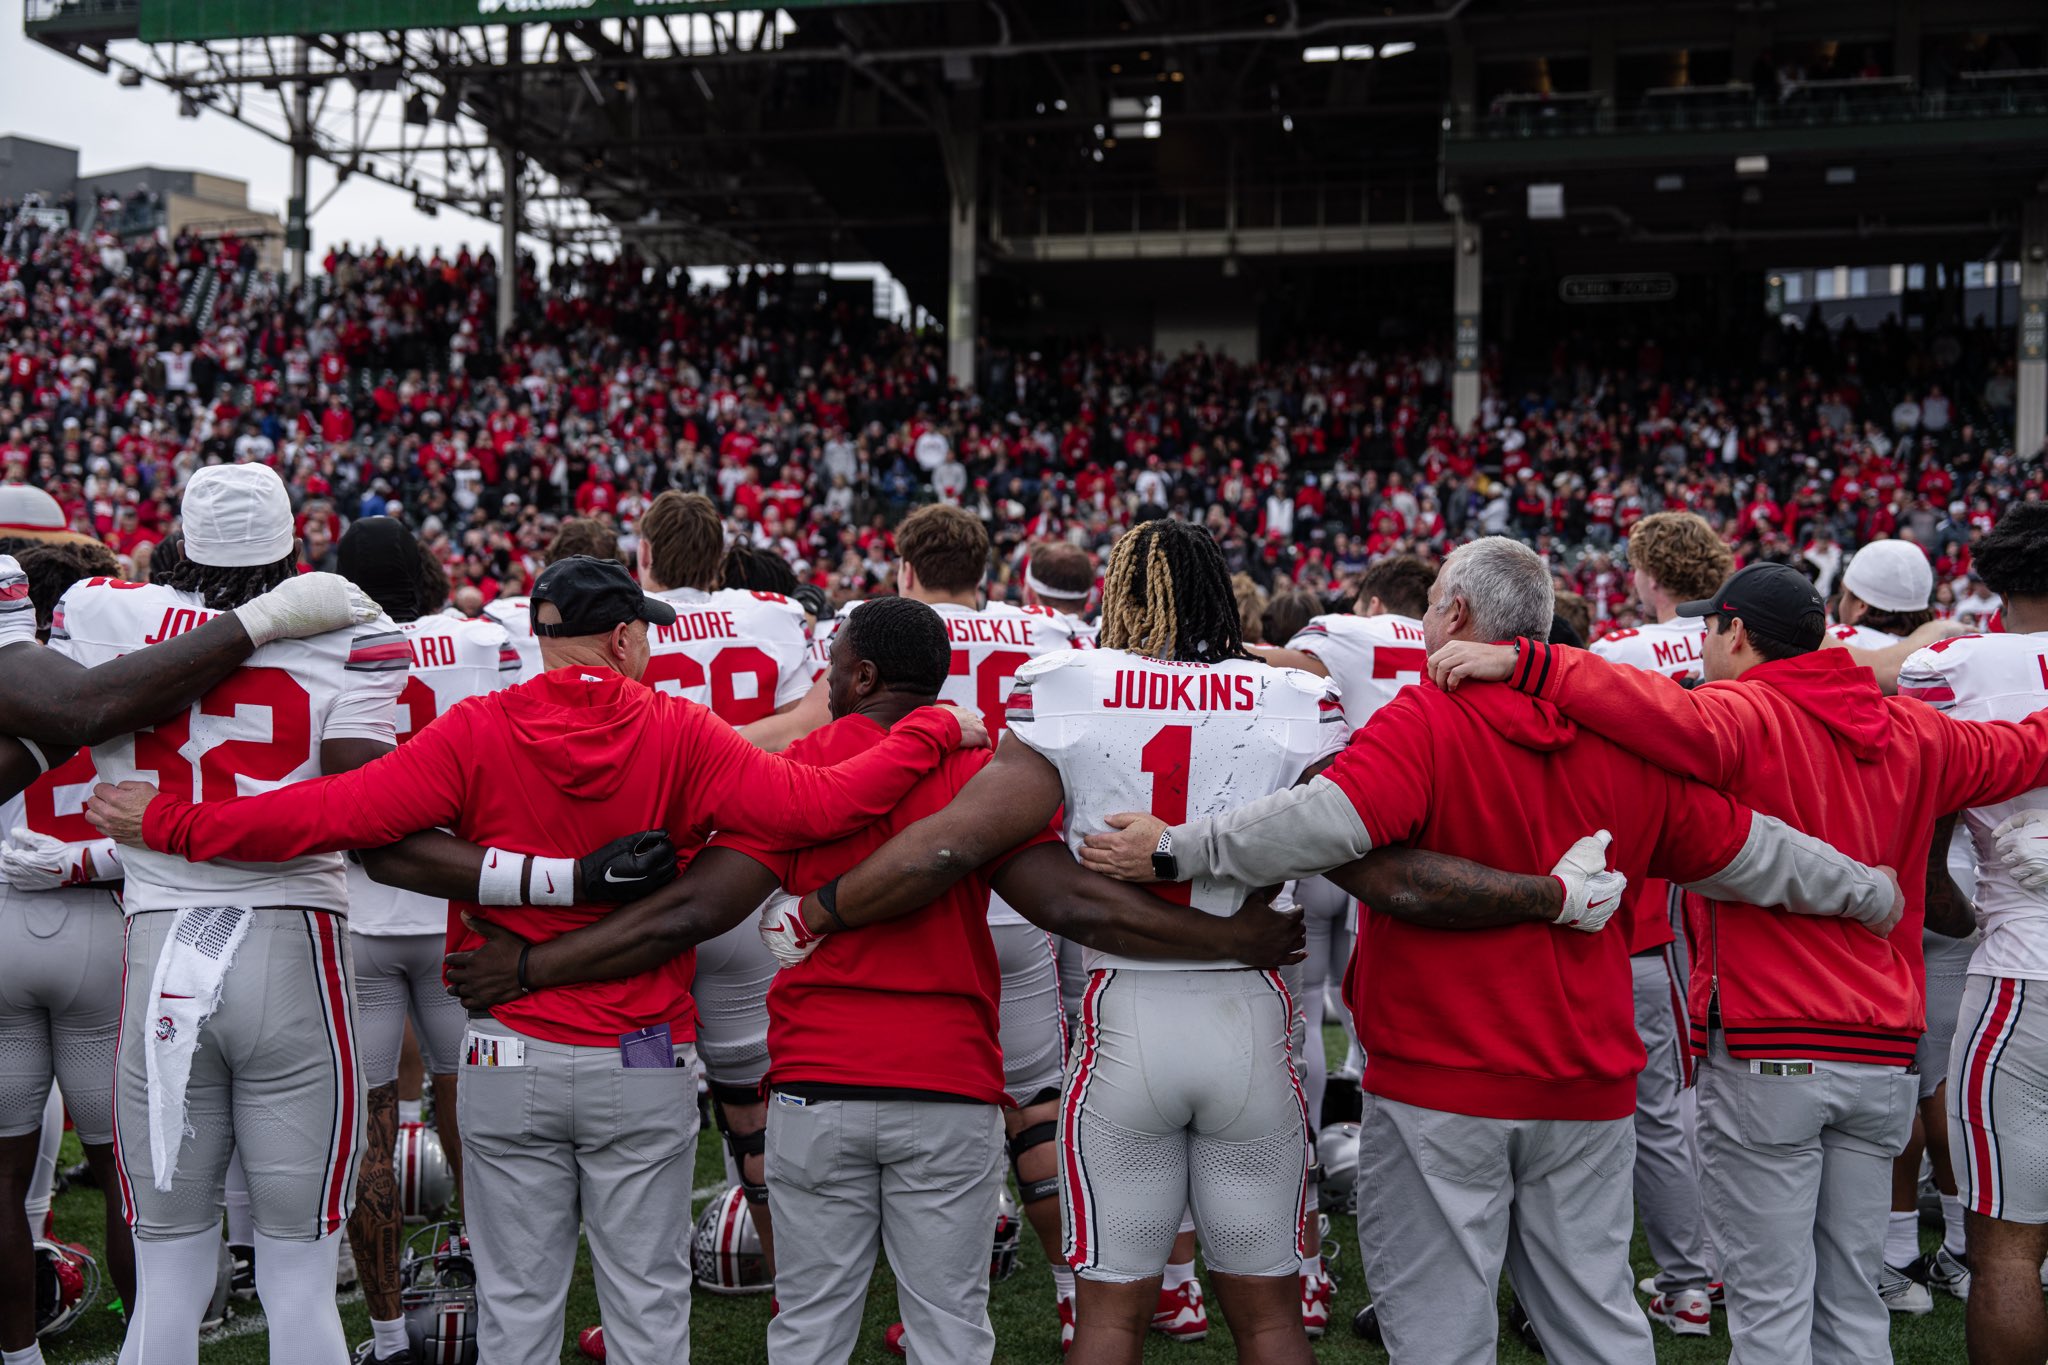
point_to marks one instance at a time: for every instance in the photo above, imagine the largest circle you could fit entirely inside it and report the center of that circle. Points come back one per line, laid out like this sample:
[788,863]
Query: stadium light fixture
[1287,123]
[1358,52]
[1396,49]
[1321,54]
[1060,106]
[1349,52]
[1752,165]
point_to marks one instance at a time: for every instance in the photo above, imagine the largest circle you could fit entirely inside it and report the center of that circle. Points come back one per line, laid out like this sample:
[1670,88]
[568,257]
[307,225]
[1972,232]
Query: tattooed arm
[1443,892]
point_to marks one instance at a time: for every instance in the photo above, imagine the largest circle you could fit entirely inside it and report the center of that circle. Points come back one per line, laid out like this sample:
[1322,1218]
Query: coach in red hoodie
[577,1105]
[1500,1073]
[1808,1027]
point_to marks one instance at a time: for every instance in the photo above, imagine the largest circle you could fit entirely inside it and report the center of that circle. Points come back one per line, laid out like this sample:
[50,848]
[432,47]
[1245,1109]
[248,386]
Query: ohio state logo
[165,1029]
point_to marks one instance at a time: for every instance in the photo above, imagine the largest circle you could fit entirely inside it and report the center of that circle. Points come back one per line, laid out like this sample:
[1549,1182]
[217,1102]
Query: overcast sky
[52,98]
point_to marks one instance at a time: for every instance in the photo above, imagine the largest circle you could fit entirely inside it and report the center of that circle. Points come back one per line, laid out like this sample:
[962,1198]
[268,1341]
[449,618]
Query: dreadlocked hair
[224,589]
[1167,595]
[2013,559]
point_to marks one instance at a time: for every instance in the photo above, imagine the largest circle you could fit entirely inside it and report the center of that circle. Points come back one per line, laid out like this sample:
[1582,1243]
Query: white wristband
[498,882]
[552,882]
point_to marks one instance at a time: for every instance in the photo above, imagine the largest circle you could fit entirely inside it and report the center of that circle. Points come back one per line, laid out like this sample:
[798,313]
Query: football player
[746,656]
[1999,1047]
[1673,557]
[255,957]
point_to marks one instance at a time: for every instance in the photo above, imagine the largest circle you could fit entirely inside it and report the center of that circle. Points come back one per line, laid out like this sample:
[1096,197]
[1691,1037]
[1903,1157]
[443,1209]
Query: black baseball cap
[594,595]
[1776,599]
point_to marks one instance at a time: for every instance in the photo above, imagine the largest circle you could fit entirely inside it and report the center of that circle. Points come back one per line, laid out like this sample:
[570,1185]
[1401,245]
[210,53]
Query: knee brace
[1037,1135]
[741,1145]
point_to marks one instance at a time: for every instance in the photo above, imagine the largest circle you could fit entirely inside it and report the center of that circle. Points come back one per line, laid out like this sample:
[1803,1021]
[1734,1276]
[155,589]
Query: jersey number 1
[1165,759]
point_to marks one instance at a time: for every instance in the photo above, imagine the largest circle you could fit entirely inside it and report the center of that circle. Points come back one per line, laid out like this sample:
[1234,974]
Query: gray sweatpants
[919,1178]
[1796,1172]
[569,1139]
[1666,1179]
[1444,1199]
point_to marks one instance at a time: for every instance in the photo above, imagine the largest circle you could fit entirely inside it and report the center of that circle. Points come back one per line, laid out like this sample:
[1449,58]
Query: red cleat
[892,1340]
[1181,1314]
[590,1341]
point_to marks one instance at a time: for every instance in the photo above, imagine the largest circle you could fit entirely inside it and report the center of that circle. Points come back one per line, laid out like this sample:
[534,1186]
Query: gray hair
[1506,587]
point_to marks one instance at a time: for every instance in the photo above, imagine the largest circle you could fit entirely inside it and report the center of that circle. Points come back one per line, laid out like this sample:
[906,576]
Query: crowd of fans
[816,426]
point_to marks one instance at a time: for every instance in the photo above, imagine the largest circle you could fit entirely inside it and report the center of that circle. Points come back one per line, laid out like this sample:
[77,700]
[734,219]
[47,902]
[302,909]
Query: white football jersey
[1863,637]
[1084,631]
[452,659]
[989,646]
[1370,658]
[1993,677]
[54,805]
[259,729]
[515,614]
[743,654]
[1676,648]
[1183,741]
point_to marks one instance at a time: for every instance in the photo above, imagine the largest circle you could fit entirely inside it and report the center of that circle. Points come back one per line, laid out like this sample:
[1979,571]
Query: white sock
[31,1354]
[1187,1221]
[295,1283]
[409,1111]
[241,1223]
[43,1182]
[389,1337]
[1954,1230]
[173,1282]
[1902,1240]
[1062,1282]
[1178,1273]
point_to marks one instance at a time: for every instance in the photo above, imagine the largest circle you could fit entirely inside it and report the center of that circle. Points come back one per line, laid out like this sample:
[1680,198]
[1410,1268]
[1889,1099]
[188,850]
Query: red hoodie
[1812,741]
[1527,1021]
[557,766]
[920,993]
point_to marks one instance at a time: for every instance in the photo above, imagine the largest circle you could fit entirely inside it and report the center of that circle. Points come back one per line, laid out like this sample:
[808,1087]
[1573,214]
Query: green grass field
[728,1331]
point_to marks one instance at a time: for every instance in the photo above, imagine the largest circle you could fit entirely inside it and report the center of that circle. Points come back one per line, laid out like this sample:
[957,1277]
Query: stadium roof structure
[1184,162]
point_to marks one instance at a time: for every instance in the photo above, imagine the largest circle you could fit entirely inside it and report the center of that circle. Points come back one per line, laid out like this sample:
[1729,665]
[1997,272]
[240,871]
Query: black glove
[628,868]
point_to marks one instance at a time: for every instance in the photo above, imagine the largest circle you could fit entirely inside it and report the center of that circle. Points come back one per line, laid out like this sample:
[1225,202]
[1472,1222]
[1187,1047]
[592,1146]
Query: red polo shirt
[906,1005]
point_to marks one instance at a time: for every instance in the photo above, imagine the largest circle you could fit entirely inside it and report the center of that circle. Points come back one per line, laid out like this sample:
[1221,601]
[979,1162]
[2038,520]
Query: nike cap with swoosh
[593,596]
[1775,599]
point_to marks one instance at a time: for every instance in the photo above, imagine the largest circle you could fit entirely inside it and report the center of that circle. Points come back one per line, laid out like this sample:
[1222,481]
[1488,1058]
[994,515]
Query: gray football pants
[1445,1199]
[1796,1173]
[571,1140]
[1666,1179]
[920,1179]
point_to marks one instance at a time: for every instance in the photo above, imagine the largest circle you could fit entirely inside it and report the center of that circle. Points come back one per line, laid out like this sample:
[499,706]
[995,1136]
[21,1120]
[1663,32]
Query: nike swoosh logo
[494,860]
[551,881]
[1597,904]
[620,881]
[168,996]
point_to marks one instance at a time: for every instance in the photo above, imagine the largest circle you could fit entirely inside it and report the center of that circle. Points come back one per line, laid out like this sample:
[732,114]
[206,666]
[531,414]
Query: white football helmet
[437,1293]
[426,1182]
[1002,1262]
[1337,1154]
[725,1252]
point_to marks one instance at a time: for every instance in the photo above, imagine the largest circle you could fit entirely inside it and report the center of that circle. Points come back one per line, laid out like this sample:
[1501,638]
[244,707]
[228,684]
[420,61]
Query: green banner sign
[196,20]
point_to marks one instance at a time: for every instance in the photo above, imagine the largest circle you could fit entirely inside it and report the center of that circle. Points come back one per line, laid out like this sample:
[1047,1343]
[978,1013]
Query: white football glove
[310,604]
[1591,892]
[783,930]
[2023,844]
[37,862]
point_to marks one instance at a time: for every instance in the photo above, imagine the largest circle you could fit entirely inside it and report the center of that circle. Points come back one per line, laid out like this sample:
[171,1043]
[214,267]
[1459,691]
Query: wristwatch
[1164,866]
